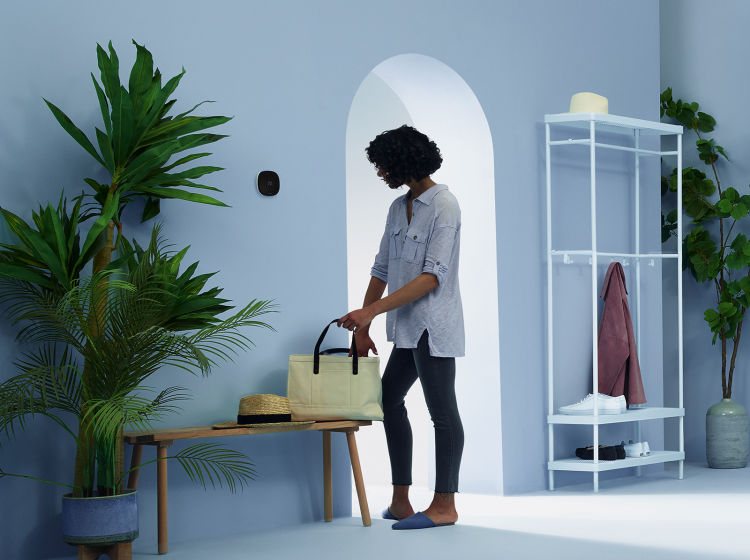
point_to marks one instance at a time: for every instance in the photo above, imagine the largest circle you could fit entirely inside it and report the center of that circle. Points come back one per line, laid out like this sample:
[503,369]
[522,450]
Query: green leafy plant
[716,251]
[152,316]
[140,137]
[103,327]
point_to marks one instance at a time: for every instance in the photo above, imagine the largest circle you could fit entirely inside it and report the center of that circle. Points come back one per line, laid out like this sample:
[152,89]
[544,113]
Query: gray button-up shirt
[430,243]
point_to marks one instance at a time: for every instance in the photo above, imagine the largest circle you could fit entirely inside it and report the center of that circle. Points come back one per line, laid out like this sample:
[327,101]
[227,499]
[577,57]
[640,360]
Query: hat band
[263,418]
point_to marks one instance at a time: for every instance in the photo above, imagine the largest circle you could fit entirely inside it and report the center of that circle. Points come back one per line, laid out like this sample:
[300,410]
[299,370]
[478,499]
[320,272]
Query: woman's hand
[356,320]
[364,344]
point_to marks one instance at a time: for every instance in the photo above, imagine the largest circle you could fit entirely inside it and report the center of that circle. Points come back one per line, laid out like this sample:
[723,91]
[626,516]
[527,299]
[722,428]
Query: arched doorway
[423,92]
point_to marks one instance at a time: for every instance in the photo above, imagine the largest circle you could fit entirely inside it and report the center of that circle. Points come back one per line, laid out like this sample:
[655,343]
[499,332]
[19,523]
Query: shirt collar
[427,196]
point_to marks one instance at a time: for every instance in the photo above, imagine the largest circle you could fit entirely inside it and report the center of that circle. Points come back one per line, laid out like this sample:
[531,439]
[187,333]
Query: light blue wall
[706,75]
[288,71]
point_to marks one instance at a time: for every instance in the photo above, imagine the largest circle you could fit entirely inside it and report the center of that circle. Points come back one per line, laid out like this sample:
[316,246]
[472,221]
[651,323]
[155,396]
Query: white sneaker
[640,449]
[633,449]
[606,405]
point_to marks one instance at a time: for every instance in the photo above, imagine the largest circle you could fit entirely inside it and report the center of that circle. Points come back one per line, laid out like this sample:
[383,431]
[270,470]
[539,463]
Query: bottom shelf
[576,464]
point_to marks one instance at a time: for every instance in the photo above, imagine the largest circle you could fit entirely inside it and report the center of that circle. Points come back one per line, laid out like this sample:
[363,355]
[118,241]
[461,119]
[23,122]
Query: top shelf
[613,123]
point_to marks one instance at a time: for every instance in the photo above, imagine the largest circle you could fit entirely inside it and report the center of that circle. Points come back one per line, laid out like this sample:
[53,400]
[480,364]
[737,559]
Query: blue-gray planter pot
[100,519]
[727,438]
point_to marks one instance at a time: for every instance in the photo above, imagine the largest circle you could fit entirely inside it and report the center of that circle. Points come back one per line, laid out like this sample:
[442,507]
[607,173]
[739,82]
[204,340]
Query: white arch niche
[425,93]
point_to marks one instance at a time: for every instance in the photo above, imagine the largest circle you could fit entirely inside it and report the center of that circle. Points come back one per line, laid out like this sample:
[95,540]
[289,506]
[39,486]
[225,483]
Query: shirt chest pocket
[414,247]
[396,243]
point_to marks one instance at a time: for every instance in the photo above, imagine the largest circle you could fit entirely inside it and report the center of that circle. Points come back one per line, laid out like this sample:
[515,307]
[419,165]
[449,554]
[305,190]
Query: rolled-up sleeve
[439,250]
[380,268]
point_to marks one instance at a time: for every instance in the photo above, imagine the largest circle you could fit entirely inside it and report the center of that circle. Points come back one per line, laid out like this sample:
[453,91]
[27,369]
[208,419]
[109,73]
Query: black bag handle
[316,355]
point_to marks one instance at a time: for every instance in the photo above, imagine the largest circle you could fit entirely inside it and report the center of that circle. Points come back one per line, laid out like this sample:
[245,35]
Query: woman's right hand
[364,344]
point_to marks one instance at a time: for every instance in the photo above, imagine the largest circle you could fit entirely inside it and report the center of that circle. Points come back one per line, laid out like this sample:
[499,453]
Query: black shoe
[606,452]
[620,450]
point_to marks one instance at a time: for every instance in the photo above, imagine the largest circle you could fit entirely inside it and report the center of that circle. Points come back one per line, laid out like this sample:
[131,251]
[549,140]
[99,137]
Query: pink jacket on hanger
[619,371]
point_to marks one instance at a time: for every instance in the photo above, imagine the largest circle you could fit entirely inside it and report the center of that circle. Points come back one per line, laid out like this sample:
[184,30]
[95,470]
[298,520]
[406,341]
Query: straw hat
[587,102]
[261,411]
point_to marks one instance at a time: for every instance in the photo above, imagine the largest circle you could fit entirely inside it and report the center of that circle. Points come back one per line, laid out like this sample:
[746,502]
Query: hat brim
[234,424]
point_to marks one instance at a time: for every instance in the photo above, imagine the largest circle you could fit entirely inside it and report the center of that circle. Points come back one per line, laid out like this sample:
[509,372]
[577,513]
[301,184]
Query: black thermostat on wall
[268,183]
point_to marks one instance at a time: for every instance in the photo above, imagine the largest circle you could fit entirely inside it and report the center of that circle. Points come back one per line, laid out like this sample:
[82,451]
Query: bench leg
[161,500]
[358,481]
[135,461]
[327,483]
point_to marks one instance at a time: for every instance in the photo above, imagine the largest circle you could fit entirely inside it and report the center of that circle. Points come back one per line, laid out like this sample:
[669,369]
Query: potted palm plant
[718,254]
[99,338]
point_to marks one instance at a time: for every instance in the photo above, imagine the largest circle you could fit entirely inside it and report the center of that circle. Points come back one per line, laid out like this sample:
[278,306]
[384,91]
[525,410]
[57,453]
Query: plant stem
[85,451]
[716,176]
[713,166]
[126,473]
[728,390]
[3,473]
[119,235]
[729,234]
[723,336]
[119,459]
[84,465]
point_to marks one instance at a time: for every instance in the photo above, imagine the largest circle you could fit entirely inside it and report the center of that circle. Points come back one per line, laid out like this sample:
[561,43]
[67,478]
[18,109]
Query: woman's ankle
[401,492]
[443,501]
[400,504]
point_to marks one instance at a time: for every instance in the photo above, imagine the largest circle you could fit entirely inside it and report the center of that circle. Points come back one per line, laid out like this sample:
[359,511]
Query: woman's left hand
[355,320]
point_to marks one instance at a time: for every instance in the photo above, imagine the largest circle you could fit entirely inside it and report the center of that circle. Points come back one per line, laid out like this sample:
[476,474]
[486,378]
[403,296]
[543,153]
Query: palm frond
[109,416]
[49,383]
[209,463]
[55,376]
[4,474]
[221,340]
[21,300]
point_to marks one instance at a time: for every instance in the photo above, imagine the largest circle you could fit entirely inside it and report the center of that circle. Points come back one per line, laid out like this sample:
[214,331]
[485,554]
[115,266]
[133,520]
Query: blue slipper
[418,521]
[388,515]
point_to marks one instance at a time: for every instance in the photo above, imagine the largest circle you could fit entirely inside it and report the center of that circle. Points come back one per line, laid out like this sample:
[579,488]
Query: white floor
[705,516]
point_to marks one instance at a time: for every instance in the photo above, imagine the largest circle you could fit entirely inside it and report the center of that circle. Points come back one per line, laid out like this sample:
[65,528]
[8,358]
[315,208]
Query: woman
[418,261]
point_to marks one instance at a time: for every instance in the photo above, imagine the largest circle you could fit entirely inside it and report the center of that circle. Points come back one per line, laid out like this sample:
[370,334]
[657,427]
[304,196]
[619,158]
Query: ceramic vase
[727,439]
[100,520]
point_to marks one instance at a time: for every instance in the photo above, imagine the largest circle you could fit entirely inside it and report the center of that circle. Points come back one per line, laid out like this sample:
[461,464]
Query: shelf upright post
[594,299]
[637,133]
[550,344]
[679,297]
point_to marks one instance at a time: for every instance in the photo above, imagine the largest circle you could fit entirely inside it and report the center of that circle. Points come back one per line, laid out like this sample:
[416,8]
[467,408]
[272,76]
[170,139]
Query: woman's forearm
[360,319]
[374,291]
[417,288]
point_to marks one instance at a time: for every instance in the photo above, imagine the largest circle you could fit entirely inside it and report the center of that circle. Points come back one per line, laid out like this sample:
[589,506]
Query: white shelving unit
[593,123]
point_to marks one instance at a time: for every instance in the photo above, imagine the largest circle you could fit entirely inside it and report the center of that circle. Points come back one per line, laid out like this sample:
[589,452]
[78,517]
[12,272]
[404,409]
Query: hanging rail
[587,252]
[587,142]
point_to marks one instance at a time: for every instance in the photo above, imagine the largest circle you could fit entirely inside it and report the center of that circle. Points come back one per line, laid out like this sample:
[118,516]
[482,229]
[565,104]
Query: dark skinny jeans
[437,376]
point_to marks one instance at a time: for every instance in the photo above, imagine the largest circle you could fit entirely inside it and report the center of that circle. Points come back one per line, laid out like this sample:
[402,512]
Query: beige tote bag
[325,387]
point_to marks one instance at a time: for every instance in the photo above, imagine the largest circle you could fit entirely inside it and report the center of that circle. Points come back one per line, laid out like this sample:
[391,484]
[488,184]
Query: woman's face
[385,176]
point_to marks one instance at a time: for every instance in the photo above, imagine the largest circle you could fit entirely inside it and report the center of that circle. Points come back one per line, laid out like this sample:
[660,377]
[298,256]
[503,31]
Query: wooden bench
[161,439]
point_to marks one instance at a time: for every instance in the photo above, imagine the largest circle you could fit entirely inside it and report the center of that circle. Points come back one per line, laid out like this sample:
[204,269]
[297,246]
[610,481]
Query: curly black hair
[404,154]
